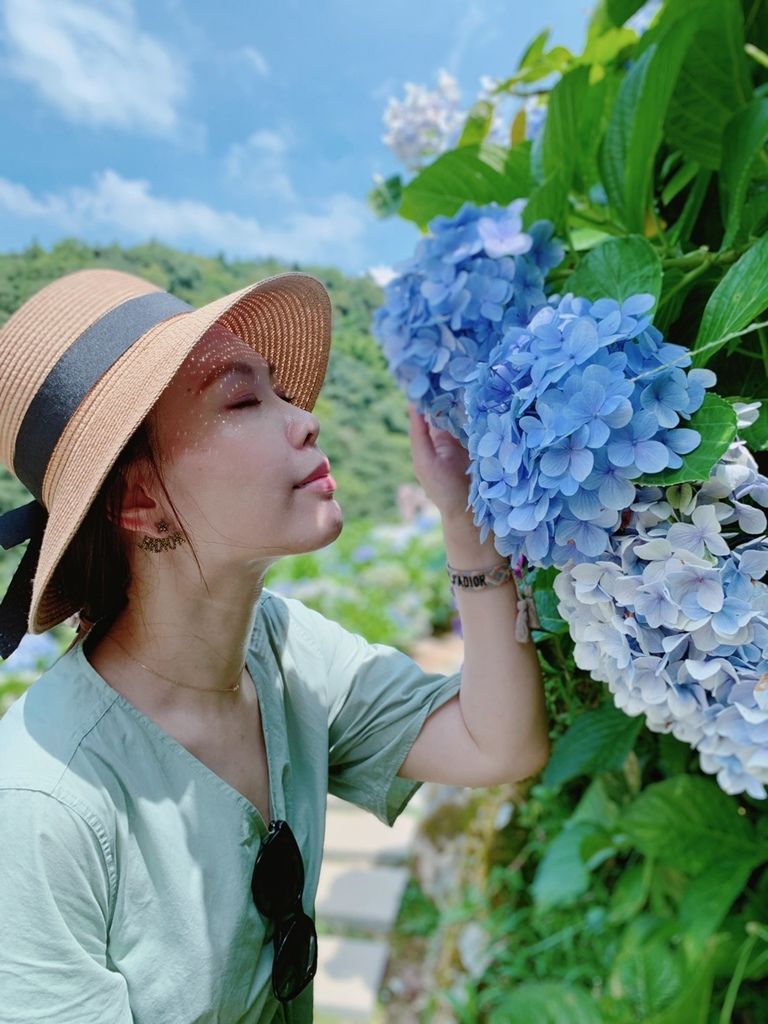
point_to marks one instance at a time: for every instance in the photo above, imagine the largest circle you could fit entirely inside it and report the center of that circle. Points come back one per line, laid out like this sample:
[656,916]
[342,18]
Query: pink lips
[320,477]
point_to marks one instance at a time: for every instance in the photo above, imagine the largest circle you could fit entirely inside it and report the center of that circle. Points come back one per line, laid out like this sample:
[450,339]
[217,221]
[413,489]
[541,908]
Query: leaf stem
[738,974]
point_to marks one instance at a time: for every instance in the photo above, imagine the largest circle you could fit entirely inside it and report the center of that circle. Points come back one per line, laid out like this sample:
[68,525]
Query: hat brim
[286,318]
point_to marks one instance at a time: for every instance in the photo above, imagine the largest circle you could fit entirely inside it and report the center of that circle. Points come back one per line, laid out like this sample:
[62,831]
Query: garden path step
[354,894]
[362,880]
[349,975]
[360,835]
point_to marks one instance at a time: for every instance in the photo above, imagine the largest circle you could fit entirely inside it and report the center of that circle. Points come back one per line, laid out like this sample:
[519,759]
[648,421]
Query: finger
[420,436]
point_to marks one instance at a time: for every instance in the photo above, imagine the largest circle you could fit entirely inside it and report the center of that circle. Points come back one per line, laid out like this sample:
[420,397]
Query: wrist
[464,549]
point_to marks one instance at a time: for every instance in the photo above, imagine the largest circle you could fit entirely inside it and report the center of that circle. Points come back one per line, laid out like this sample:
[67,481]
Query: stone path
[362,881]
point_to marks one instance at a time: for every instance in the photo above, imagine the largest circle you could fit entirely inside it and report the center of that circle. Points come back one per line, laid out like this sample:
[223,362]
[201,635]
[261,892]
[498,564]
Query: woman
[163,785]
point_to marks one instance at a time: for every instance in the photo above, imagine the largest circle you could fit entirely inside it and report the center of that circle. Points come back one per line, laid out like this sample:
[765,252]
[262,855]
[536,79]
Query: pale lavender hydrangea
[674,617]
[424,123]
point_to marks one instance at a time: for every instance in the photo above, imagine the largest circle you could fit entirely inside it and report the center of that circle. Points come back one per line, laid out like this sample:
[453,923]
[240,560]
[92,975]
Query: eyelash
[255,401]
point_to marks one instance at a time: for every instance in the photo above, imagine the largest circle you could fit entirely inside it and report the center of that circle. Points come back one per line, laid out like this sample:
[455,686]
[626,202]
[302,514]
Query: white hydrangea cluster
[675,620]
[425,123]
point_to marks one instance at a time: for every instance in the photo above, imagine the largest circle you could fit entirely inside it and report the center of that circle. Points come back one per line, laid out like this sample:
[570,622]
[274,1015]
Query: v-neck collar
[254,815]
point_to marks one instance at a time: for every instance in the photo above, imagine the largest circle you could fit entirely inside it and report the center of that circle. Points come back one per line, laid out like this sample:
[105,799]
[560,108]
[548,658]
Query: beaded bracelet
[480,579]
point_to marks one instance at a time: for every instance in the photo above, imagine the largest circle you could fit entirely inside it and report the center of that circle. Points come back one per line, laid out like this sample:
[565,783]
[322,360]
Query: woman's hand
[440,462]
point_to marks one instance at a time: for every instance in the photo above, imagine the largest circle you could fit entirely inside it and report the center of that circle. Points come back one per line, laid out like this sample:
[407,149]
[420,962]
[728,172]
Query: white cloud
[255,59]
[381,274]
[90,60]
[129,209]
[260,163]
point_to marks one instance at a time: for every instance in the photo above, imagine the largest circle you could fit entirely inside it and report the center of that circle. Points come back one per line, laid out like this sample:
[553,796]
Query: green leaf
[597,741]
[546,607]
[713,83]
[385,198]
[736,302]
[563,872]
[562,875]
[478,124]
[593,121]
[682,177]
[606,47]
[545,64]
[546,1002]
[630,893]
[692,1004]
[548,201]
[559,144]
[617,269]
[716,422]
[647,977]
[635,129]
[689,822]
[477,174]
[620,11]
[743,142]
[535,50]
[709,895]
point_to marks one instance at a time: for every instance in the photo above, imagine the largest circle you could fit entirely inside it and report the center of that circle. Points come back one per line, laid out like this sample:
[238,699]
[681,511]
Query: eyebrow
[243,369]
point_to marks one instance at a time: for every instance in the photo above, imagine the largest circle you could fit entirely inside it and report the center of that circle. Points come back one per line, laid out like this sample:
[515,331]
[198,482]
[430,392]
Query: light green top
[125,868]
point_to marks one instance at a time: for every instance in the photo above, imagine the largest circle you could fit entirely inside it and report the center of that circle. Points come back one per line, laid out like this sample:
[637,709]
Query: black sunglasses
[277,885]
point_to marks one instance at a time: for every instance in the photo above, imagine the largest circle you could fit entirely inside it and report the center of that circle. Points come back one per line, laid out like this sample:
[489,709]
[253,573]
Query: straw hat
[82,363]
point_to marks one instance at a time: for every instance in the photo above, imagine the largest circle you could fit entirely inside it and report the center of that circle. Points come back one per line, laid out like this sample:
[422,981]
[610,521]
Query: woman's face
[234,451]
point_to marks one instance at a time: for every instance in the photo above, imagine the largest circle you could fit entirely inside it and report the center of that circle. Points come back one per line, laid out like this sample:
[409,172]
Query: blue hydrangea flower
[566,412]
[473,277]
[674,618]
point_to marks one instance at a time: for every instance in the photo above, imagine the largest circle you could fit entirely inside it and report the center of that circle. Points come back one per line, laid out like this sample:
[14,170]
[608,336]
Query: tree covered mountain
[363,416]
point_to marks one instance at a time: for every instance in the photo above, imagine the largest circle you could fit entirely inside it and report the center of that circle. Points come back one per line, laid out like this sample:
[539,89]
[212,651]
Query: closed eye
[246,402]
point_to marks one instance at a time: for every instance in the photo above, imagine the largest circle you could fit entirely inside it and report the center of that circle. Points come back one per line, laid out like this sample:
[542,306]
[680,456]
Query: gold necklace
[202,689]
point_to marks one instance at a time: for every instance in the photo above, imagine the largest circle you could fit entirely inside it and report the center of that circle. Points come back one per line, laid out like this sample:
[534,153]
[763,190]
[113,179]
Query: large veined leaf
[635,129]
[617,269]
[709,895]
[692,1003]
[688,822]
[561,129]
[739,298]
[743,143]
[546,1002]
[598,740]
[478,174]
[716,422]
[713,83]
[648,977]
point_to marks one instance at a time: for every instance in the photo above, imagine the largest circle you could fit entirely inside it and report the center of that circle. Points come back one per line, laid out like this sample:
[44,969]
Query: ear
[140,511]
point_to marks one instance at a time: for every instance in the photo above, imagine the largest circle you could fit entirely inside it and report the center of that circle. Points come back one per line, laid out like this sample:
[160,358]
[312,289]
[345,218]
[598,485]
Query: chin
[326,532]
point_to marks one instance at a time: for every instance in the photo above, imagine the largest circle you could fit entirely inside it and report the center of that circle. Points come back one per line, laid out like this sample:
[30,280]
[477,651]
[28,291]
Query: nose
[304,428]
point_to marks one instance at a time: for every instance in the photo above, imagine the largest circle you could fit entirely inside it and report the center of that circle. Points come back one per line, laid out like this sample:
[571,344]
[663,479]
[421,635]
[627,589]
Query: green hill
[363,416]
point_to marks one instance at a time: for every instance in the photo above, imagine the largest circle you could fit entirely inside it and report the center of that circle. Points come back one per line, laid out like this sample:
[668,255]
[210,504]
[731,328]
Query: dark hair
[95,571]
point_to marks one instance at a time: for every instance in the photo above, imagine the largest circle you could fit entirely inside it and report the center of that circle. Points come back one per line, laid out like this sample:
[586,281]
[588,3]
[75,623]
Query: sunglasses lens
[278,876]
[295,958]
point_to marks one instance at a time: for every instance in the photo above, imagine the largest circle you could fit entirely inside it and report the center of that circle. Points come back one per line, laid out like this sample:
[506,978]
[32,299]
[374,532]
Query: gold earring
[162,543]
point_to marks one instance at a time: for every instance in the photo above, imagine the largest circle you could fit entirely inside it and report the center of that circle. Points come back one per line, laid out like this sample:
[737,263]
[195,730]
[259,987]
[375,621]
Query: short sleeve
[378,700]
[54,909]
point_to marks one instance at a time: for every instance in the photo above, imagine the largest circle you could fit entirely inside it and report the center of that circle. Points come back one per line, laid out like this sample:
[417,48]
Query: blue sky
[251,128]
